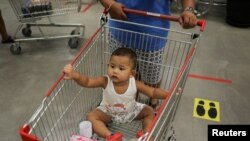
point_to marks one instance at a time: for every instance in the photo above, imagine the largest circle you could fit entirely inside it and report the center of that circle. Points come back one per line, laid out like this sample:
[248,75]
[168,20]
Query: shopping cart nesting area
[66,104]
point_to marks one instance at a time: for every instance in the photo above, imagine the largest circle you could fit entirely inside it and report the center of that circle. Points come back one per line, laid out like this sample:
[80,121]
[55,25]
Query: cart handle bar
[200,23]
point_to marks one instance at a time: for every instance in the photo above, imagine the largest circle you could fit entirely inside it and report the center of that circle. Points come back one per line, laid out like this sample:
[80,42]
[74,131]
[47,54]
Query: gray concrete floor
[223,53]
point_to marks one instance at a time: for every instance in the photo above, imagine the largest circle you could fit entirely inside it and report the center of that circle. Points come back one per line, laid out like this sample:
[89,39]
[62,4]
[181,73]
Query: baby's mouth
[114,77]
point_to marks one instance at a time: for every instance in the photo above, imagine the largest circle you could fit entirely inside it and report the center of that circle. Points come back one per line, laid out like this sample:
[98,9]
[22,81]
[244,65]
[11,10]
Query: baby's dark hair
[123,51]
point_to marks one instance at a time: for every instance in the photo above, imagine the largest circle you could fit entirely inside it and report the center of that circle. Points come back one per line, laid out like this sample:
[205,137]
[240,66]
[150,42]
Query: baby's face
[120,68]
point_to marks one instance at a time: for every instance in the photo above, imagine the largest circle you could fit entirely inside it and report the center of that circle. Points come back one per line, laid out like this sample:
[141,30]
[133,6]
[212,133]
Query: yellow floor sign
[207,109]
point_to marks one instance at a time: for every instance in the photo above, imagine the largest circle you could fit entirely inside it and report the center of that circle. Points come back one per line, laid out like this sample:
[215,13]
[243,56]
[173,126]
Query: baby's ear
[133,72]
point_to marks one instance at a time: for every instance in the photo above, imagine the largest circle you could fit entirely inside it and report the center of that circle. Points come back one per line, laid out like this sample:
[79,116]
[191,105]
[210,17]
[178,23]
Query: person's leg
[2,28]
[5,37]
[99,121]
[147,115]
[150,70]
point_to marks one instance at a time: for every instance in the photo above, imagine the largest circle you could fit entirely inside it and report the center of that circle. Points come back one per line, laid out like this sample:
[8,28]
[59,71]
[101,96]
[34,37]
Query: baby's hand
[69,71]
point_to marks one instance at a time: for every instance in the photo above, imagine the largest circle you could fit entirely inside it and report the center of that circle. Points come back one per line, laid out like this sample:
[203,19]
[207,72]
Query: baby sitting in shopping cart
[119,94]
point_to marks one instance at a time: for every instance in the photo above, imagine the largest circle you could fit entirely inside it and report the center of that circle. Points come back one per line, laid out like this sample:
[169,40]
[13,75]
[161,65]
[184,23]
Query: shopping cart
[66,104]
[29,12]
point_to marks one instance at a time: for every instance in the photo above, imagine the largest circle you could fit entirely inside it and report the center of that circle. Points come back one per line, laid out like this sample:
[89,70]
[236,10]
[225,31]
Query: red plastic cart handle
[200,23]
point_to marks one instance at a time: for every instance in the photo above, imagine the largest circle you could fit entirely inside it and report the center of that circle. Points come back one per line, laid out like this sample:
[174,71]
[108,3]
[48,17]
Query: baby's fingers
[66,77]
[67,70]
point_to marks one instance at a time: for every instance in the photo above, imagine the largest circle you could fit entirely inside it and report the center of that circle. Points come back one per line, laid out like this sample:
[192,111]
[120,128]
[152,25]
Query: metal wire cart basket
[30,12]
[66,104]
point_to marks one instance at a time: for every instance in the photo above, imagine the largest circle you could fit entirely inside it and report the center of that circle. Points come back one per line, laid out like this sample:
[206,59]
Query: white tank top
[119,103]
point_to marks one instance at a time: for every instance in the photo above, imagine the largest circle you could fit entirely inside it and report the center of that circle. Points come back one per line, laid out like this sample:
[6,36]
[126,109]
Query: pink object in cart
[117,136]
[80,138]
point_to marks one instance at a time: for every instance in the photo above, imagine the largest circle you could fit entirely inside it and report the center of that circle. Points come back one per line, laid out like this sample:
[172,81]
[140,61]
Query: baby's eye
[122,68]
[112,66]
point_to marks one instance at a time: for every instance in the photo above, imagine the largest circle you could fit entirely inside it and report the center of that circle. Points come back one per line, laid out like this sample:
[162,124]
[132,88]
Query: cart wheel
[26,32]
[76,31]
[73,32]
[73,42]
[15,49]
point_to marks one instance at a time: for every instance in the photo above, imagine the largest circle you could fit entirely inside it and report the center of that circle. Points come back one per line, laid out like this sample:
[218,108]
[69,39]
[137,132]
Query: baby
[119,93]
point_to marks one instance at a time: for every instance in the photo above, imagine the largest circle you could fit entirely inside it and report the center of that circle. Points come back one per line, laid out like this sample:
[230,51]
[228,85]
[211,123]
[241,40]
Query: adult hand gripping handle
[200,23]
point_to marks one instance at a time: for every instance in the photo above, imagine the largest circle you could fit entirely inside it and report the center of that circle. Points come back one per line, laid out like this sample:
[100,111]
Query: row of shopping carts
[66,104]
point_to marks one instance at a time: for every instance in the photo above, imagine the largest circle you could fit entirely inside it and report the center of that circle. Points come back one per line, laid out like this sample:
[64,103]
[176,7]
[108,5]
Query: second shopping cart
[30,13]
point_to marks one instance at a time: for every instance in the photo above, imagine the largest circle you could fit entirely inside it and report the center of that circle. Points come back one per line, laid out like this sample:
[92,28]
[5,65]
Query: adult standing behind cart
[149,53]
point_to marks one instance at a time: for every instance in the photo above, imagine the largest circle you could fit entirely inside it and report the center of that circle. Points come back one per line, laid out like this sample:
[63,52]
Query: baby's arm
[84,80]
[152,92]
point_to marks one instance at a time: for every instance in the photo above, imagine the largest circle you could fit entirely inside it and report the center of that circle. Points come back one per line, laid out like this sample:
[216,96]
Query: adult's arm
[115,9]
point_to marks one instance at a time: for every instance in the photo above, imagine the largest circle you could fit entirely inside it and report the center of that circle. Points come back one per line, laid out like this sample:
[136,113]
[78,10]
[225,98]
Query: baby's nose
[116,70]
